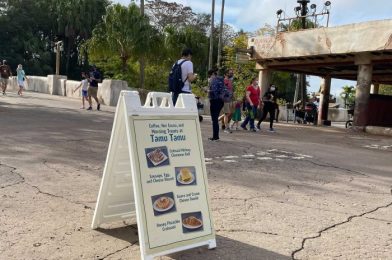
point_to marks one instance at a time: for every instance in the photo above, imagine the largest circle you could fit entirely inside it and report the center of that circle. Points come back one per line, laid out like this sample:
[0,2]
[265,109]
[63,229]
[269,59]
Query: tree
[385,90]
[243,72]
[124,33]
[348,95]
[75,20]
[164,13]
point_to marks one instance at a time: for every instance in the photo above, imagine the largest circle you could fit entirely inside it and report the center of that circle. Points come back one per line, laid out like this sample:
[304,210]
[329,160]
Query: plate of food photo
[157,156]
[192,222]
[185,175]
[162,204]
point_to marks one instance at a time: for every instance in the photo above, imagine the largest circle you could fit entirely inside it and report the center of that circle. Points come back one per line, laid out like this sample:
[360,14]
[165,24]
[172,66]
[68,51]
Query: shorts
[228,107]
[21,83]
[92,91]
[84,93]
[3,80]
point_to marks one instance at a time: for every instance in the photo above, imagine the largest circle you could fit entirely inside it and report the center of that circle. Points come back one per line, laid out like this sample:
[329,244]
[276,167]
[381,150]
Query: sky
[250,15]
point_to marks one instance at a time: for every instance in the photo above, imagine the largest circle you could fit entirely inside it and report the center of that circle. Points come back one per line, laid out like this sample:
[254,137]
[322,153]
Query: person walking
[228,104]
[84,85]
[5,73]
[184,65]
[215,90]
[236,115]
[268,108]
[253,101]
[20,78]
[92,91]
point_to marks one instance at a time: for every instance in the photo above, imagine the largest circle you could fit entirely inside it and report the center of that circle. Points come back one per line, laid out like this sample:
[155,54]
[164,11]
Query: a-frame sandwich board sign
[155,170]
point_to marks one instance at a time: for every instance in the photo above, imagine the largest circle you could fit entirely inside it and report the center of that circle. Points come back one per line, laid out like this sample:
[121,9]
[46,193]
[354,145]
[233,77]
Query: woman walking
[21,77]
[253,101]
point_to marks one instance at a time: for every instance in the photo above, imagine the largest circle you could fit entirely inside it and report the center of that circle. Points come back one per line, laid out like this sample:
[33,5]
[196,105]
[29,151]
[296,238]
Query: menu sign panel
[173,181]
[155,170]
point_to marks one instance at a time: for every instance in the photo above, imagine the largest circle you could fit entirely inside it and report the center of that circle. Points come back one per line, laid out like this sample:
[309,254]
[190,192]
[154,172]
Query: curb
[377,130]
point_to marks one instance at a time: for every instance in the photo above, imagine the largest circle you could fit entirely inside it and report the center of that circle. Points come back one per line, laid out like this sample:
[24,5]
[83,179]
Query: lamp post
[220,36]
[58,48]
[211,36]
[302,13]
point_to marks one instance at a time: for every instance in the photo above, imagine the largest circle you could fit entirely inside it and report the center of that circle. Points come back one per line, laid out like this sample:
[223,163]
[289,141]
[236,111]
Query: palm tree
[75,20]
[348,95]
[124,33]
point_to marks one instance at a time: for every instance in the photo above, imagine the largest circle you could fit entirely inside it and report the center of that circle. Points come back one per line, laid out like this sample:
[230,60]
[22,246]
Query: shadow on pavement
[127,233]
[226,248]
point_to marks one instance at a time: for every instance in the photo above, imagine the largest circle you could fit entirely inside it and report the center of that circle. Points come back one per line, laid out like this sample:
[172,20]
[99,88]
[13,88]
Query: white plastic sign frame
[121,193]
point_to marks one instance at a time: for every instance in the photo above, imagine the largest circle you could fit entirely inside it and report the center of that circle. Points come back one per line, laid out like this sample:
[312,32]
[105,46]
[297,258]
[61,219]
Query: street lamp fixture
[313,7]
[279,13]
[59,47]
[297,9]
[328,3]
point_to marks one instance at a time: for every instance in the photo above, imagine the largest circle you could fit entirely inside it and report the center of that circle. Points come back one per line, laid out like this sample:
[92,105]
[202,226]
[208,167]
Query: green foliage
[30,28]
[348,95]
[243,73]
[285,82]
[385,90]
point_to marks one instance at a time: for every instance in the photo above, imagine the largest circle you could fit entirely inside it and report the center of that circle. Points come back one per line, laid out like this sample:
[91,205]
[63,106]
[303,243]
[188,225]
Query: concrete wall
[108,91]
[351,38]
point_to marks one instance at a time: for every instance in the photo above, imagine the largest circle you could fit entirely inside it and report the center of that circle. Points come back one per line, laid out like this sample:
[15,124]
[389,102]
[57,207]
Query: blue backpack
[175,78]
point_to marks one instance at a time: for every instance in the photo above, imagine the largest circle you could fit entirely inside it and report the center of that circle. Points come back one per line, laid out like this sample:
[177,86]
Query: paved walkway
[302,193]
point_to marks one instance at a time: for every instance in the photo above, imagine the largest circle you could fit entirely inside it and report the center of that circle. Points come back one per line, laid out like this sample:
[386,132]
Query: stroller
[350,112]
[306,115]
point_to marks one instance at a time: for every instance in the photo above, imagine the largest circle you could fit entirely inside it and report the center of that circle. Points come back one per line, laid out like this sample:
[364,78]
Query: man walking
[187,75]
[95,78]
[5,73]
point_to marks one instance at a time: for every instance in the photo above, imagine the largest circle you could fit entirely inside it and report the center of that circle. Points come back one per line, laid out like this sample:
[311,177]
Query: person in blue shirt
[20,77]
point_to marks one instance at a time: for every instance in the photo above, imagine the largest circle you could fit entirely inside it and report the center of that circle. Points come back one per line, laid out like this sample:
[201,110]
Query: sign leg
[211,244]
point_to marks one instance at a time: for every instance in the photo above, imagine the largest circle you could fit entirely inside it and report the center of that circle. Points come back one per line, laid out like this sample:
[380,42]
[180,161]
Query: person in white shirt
[187,72]
[84,85]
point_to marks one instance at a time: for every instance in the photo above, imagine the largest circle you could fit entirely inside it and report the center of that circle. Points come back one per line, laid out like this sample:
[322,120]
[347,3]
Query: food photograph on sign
[157,156]
[192,222]
[185,175]
[163,203]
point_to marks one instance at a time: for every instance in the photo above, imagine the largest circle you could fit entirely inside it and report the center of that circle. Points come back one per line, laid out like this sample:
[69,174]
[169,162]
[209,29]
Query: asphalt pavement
[302,192]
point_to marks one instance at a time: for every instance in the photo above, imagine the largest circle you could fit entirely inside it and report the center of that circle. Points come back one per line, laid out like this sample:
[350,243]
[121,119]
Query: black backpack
[175,78]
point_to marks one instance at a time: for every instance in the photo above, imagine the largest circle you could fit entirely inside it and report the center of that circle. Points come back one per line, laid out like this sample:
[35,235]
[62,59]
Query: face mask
[256,83]
[272,88]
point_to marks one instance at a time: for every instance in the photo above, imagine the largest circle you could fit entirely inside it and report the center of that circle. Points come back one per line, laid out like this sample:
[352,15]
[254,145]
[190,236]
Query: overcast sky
[253,14]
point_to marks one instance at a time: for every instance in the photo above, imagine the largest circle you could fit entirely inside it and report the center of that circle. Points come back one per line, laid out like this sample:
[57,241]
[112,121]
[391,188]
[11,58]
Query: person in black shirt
[269,102]
[95,78]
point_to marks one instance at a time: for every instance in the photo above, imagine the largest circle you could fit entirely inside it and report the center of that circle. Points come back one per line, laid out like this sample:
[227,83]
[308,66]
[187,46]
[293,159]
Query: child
[84,85]
[236,115]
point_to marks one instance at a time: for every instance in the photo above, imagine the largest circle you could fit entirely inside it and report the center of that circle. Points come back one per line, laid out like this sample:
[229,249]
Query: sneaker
[258,127]
[244,128]
[3,93]
[82,107]
[252,130]
[89,108]
[227,131]
[99,107]
[272,130]
[213,139]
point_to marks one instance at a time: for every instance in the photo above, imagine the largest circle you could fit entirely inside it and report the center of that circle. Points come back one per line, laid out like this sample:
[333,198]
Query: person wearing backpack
[5,72]
[181,75]
[215,95]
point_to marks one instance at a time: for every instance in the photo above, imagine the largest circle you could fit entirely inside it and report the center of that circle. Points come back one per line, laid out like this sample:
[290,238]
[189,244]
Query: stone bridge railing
[108,91]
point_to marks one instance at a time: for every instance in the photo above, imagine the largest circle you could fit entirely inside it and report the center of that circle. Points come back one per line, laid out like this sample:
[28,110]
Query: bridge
[361,52]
